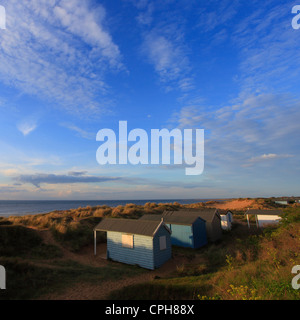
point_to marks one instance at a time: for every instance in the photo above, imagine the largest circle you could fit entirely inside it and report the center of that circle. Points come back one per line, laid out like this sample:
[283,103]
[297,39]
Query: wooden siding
[161,256]
[141,254]
[182,235]
[264,220]
[199,232]
[215,229]
[225,222]
[146,251]
[193,236]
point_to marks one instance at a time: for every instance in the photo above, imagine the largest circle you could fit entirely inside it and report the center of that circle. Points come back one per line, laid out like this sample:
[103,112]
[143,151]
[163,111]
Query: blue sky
[69,68]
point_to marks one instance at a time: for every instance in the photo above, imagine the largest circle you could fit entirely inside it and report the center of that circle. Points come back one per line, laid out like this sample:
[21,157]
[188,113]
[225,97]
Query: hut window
[162,243]
[127,241]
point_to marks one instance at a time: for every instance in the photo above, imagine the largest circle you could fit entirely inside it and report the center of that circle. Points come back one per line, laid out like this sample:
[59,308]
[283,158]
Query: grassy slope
[242,266]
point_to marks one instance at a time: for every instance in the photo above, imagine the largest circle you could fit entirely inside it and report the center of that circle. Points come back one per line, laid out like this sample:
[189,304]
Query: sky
[69,68]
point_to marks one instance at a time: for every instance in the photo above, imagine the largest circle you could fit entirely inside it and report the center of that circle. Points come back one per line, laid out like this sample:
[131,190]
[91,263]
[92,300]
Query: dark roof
[185,220]
[286,199]
[224,212]
[206,214]
[132,226]
[275,212]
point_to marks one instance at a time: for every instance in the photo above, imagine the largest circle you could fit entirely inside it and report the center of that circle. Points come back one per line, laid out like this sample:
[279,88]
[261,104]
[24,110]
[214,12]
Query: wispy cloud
[266,157]
[164,45]
[214,14]
[9,189]
[167,57]
[77,173]
[234,133]
[59,52]
[27,127]
[38,179]
[269,156]
[79,131]
[267,48]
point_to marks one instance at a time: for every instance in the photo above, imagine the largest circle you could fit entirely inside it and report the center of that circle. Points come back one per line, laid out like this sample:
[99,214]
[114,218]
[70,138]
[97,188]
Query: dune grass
[29,281]
[252,267]
[242,266]
[18,241]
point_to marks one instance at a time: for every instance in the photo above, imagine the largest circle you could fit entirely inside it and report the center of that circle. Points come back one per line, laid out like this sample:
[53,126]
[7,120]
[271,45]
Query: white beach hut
[226,219]
[264,217]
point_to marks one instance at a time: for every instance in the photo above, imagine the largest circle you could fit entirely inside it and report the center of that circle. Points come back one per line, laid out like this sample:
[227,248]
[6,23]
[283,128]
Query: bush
[18,241]
[74,236]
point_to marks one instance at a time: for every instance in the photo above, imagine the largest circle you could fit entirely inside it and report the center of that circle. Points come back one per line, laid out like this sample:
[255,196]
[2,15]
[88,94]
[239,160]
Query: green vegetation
[246,264]
[30,281]
[241,267]
[18,241]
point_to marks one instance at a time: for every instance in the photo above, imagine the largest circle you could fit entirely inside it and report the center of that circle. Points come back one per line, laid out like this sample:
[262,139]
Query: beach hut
[136,242]
[209,215]
[283,202]
[264,217]
[226,219]
[187,231]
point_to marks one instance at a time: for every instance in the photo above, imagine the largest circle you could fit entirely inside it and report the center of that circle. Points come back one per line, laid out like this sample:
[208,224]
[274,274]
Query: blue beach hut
[209,215]
[187,231]
[136,242]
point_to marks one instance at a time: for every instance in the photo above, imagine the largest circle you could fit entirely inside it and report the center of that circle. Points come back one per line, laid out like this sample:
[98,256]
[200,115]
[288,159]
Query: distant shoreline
[33,207]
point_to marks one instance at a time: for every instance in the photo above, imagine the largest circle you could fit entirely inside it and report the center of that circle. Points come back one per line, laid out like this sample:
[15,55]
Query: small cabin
[264,218]
[143,243]
[226,219]
[187,231]
[209,215]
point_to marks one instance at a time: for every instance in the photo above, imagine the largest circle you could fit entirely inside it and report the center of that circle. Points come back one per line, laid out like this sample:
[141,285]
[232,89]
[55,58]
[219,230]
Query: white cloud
[234,133]
[268,49]
[164,46]
[169,60]
[270,156]
[82,133]
[85,23]
[58,51]
[27,127]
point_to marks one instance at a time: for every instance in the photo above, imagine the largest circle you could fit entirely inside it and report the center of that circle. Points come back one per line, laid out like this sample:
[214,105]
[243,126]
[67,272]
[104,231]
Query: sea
[25,207]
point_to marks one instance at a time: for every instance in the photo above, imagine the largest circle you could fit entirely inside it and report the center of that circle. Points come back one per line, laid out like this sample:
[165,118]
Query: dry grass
[242,266]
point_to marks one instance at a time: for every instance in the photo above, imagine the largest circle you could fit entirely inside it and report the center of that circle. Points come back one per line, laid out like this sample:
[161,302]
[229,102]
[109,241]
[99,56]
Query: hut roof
[207,214]
[274,212]
[172,219]
[132,226]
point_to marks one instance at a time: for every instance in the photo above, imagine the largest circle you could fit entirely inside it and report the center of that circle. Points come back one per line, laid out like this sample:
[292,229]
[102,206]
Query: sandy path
[234,204]
[88,291]
[85,256]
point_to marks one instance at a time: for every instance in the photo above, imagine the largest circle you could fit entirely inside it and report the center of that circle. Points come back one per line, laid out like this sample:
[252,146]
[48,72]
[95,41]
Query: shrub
[18,241]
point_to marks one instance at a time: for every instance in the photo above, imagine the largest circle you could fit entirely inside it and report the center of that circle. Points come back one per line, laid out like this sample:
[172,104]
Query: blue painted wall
[199,231]
[189,236]
[145,252]
[161,256]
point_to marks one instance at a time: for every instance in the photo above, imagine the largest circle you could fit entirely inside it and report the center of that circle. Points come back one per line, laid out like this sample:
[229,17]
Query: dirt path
[91,291]
[88,291]
[85,256]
